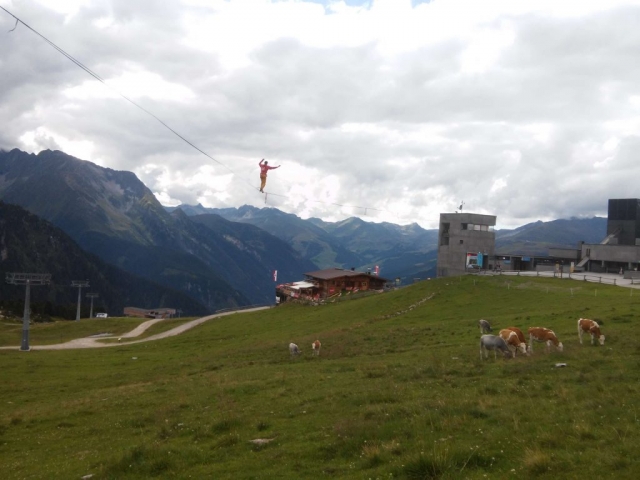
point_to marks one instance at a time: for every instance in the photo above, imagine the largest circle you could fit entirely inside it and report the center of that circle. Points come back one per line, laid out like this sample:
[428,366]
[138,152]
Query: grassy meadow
[399,391]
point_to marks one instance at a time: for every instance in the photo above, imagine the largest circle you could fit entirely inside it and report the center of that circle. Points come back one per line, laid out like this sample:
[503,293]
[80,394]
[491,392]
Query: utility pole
[80,284]
[27,279]
[92,296]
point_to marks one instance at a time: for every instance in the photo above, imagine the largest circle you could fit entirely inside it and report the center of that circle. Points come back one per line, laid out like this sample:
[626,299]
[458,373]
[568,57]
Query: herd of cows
[511,339]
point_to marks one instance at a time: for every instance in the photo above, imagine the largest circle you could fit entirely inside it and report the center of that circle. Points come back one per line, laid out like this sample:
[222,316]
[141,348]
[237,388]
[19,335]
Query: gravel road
[96,342]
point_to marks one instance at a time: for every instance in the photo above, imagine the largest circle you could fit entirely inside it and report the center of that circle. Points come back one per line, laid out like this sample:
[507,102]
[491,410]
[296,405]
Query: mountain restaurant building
[332,281]
[328,283]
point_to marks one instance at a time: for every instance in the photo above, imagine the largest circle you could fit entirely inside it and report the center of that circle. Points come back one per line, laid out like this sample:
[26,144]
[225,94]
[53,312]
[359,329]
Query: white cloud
[134,85]
[514,107]
[42,138]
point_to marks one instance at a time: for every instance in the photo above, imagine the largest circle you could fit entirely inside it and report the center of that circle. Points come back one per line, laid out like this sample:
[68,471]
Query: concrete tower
[466,243]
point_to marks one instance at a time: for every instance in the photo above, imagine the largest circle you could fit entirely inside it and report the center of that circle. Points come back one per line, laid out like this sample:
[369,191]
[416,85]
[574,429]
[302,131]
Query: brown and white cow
[592,327]
[521,337]
[315,346]
[542,334]
[513,342]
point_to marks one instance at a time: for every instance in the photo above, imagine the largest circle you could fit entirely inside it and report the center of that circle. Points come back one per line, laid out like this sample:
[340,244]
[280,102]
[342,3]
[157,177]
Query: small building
[296,290]
[145,313]
[466,243]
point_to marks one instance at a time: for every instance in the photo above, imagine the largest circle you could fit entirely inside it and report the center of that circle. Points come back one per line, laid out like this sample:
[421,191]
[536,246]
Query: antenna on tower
[461,205]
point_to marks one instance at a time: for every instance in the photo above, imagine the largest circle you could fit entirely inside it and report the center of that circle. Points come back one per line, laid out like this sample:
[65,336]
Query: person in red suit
[264,168]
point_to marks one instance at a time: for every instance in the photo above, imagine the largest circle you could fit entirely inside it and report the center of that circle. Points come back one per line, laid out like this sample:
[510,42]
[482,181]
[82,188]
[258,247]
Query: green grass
[399,391]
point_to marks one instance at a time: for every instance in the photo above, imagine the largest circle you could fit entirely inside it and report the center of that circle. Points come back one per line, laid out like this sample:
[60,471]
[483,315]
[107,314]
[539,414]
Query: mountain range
[224,258]
[116,217]
[405,252]
[29,244]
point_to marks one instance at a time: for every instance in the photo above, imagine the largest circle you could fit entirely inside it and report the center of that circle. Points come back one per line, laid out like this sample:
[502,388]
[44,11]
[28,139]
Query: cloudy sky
[388,110]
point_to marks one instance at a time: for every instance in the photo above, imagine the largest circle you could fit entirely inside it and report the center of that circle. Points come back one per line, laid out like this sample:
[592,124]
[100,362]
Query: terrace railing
[552,274]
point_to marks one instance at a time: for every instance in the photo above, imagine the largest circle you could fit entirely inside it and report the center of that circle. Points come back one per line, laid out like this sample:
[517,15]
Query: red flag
[275,275]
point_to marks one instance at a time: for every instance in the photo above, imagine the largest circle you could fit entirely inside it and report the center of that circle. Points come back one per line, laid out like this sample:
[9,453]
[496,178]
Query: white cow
[294,350]
[495,343]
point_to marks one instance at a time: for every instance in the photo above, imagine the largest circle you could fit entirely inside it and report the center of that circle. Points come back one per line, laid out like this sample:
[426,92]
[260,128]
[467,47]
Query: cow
[495,343]
[591,326]
[315,346]
[521,337]
[294,350]
[541,334]
[485,326]
[512,341]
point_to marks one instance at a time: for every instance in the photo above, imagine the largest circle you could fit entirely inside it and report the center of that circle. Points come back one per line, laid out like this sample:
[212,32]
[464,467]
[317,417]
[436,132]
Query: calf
[512,341]
[485,327]
[520,337]
[495,343]
[294,350]
[591,326]
[541,334]
[315,346]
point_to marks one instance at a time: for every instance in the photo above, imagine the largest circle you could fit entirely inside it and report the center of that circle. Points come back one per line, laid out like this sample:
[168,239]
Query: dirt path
[96,342]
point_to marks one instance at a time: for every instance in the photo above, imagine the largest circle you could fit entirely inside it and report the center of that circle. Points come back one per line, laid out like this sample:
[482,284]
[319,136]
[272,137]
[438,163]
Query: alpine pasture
[399,391]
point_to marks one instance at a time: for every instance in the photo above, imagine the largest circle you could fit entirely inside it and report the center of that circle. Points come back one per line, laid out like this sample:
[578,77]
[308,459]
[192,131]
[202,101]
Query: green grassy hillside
[399,391]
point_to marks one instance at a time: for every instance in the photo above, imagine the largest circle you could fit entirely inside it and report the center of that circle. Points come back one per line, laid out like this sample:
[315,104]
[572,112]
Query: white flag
[275,275]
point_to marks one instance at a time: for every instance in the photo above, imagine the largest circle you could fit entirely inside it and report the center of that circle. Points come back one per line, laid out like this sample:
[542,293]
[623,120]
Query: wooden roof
[333,273]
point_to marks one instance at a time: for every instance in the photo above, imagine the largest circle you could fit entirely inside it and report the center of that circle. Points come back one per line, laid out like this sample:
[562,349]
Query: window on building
[477,227]
[445,227]
[444,240]
[461,241]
